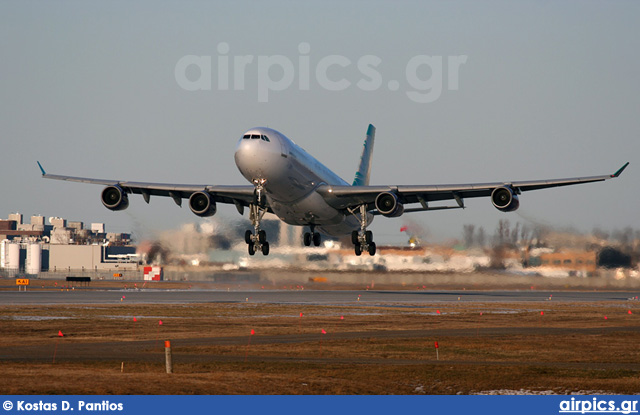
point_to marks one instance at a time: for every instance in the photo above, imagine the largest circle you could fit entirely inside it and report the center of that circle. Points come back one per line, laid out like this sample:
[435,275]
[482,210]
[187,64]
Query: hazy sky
[543,90]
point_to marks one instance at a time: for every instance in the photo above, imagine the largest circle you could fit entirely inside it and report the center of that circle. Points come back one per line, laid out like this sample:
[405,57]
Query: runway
[310,297]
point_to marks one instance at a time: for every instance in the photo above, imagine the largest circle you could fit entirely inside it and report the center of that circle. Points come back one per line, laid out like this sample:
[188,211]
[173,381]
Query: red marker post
[134,327]
[158,334]
[246,354]
[55,350]
[168,356]
[437,354]
[322,333]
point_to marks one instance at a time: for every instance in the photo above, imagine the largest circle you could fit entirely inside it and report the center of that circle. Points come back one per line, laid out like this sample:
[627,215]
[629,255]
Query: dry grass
[373,350]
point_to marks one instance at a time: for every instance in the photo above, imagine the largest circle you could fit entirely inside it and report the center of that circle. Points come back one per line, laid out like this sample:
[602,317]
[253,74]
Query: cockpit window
[256,137]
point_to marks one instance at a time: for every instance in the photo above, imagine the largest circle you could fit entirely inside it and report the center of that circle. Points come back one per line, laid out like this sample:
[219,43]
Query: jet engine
[202,205]
[114,198]
[388,205]
[504,199]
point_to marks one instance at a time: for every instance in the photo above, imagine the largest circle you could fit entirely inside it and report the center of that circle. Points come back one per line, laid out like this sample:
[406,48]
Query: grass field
[373,349]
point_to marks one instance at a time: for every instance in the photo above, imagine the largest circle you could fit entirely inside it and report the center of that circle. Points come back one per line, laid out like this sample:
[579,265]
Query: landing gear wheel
[362,239]
[265,248]
[307,239]
[252,249]
[354,238]
[317,239]
[368,237]
[372,248]
[247,236]
[262,237]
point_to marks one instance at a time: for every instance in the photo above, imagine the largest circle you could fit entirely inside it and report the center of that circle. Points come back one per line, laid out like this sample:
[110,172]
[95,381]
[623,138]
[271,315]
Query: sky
[459,91]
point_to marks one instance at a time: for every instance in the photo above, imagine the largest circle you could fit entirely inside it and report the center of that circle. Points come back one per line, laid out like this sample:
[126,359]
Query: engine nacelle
[388,205]
[504,199]
[202,205]
[114,198]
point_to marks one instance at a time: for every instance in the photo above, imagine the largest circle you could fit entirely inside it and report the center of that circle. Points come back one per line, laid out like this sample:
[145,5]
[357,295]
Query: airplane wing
[240,196]
[349,197]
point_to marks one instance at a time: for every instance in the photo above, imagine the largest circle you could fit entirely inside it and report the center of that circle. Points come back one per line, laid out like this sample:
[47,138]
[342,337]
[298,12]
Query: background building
[61,246]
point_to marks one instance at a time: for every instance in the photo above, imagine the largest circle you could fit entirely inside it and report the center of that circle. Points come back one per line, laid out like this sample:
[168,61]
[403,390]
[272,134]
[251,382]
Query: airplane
[293,185]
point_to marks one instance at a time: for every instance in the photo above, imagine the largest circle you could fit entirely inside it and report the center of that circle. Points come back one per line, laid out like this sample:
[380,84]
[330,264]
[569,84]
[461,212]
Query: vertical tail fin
[364,170]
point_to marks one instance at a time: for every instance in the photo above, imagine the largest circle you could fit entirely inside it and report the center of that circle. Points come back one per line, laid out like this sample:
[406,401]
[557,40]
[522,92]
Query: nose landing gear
[257,239]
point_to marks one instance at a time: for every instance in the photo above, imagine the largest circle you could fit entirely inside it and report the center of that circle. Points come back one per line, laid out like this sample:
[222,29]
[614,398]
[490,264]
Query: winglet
[619,172]
[44,173]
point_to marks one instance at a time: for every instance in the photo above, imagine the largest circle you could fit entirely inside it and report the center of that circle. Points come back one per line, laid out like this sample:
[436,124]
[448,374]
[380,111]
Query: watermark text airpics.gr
[424,78]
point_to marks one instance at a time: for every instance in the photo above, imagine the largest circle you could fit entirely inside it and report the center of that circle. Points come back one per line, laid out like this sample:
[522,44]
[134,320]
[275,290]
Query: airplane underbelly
[349,224]
[311,209]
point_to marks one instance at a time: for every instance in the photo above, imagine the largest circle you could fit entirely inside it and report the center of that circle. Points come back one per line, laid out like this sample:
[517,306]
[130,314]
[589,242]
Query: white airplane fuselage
[291,177]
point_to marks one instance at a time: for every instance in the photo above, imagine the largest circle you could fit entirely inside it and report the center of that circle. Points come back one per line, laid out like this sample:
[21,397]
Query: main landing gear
[363,239]
[257,239]
[312,236]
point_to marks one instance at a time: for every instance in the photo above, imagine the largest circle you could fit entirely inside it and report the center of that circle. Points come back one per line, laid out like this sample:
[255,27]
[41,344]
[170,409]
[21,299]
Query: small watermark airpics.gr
[424,79]
[598,405]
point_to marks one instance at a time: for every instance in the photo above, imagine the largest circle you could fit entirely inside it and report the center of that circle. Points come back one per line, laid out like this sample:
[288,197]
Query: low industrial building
[570,260]
[61,246]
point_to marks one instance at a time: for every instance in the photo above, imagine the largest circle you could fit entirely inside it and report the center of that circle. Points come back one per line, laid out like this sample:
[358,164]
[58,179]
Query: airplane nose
[244,158]
[257,159]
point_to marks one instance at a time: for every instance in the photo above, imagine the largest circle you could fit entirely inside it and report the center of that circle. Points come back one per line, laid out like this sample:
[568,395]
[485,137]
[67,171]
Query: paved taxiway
[313,297]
